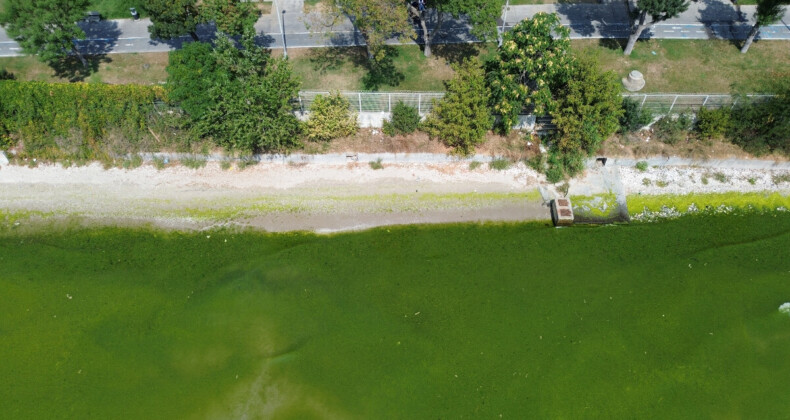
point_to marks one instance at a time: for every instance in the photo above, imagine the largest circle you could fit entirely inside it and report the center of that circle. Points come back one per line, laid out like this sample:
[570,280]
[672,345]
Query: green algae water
[677,319]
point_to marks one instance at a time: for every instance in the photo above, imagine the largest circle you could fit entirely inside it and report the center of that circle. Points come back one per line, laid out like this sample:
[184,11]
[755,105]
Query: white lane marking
[129,45]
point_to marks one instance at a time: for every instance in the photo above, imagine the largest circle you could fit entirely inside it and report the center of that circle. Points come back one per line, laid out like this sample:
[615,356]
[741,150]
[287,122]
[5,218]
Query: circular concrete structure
[634,82]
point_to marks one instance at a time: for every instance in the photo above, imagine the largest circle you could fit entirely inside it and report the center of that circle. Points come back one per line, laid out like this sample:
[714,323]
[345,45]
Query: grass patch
[173,325]
[344,68]
[137,68]
[376,164]
[499,164]
[743,201]
[193,162]
[694,66]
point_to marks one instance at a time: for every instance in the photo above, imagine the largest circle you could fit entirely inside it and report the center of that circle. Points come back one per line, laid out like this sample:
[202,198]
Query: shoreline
[336,197]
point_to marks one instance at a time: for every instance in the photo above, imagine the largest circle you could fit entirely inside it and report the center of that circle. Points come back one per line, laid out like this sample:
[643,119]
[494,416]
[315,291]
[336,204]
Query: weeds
[500,164]
[718,176]
[133,162]
[246,163]
[193,162]
[159,162]
[646,182]
[778,179]
[661,183]
[376,164]
[225,165]
[474,165]
[704,180]
[641,166]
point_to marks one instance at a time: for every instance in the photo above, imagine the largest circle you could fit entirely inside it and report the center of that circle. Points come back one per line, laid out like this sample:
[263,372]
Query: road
[705,19]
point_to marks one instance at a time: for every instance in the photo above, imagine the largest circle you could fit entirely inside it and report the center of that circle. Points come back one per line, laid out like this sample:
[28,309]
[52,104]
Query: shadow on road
[590,19]
[722,20]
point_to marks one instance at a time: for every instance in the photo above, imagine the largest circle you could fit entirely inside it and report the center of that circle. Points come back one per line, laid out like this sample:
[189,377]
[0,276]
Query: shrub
[376,164]
[225,165]
[633,117]
[641,166]
[500,164]
[672,130]
[330,118]
[762,127]
[405,120]
[474,165]
[713,123]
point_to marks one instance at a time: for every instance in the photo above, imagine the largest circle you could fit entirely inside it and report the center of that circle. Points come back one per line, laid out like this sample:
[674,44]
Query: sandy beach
[328,197]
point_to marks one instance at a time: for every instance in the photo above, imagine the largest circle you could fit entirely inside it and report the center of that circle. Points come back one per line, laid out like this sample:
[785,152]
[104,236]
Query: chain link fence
[375,101]
[659,103]
[667,103]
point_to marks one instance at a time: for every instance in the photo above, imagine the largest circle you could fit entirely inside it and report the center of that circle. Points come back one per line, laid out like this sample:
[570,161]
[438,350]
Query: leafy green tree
[330,118]
[530,67]
[462,118]
[376,20]
[481,14]
[46,28]
[250,101]
[658,10]
[589,108]
[172,18]
[231,16]
[6,75]
[191,72]
[768,13]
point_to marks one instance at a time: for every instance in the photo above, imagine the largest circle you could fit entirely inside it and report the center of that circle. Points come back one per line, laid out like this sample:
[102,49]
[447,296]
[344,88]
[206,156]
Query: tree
[46,28]
[768,13]
[172,18]
[659,10]
[231,16]
[376,20]
[481,14]
[250,100]
[191,72]
[462,118]
[589,109]
[531,65]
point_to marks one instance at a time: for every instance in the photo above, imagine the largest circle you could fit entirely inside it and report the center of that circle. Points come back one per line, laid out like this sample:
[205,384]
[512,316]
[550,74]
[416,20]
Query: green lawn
[695,66]
[670,320]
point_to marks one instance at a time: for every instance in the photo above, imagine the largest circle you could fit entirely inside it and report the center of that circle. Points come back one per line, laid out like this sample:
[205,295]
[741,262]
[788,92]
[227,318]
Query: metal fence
[666,103]
[659,103]
[375,101]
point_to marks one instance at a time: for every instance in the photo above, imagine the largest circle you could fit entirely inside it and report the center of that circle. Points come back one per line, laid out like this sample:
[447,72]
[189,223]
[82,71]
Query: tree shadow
[456,53]
[100,39]
[72,69]
[724,21]
[331,58]
[381,71]
[615,44]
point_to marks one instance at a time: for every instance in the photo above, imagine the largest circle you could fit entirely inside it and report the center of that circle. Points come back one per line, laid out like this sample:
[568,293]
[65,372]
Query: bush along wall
[75,120]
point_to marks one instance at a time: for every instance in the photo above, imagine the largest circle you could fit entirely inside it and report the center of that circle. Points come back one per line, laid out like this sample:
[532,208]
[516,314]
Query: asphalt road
[705,19]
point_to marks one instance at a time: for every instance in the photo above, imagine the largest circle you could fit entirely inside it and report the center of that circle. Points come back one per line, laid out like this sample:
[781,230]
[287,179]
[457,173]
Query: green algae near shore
[669,319]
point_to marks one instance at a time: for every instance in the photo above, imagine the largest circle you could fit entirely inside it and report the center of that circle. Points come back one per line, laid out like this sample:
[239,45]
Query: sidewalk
[704,19]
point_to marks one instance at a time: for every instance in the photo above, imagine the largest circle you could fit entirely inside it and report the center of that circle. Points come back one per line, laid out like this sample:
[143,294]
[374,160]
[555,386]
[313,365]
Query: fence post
[419,103]
[389,102]
[705,101]
[301,106]
[733,103]
[644,98]
[673,104]
[359,100]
